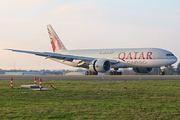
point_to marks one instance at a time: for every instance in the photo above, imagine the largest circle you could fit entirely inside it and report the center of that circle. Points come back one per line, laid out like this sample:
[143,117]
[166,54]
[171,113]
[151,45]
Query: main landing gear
[91,73]
[115,72]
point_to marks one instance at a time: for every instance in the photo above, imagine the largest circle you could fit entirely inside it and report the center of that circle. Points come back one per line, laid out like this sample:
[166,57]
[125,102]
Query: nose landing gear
[163,70]
[162,73]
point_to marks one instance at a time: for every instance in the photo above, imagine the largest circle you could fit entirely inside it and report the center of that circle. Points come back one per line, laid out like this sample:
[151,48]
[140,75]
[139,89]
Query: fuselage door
[154,56]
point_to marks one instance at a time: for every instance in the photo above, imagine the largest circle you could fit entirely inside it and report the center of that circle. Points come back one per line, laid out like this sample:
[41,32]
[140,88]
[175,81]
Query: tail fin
[56,43]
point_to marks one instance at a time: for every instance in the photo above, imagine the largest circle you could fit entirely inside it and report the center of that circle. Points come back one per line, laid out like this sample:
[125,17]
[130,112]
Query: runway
[93,78]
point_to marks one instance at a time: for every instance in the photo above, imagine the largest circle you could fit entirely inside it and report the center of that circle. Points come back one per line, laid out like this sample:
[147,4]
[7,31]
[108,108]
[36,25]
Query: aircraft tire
[119,73]
[163,73]
[110,73]
[96,73]
[87,73]
[90,73]
[114,73]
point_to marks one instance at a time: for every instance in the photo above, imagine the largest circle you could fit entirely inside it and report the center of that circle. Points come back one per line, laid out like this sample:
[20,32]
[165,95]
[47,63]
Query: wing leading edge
[58,55]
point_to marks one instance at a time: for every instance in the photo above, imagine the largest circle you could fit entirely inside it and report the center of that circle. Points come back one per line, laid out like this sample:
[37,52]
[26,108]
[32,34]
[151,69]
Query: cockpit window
[169,55]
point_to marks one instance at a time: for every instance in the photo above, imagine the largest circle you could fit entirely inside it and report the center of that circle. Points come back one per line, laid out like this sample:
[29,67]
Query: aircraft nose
[175,59]
[171,60]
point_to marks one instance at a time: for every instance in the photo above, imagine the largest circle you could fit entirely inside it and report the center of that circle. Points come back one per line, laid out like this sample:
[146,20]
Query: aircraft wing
[58,55]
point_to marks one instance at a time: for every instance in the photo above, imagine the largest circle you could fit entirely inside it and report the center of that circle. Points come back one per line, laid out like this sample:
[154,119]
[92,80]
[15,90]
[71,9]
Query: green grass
[91,100]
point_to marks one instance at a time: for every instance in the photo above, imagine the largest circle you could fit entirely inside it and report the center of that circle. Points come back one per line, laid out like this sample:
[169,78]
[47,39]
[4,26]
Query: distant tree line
[127,71]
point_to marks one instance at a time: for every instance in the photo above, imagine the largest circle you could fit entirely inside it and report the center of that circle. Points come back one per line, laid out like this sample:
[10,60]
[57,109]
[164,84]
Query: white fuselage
[134,57]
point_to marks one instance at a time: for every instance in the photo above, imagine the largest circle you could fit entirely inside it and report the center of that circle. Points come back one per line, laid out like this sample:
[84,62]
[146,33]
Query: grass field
[91,100]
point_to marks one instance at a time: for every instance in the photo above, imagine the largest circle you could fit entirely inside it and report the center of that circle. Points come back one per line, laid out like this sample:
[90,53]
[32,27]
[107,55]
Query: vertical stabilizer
[56,43]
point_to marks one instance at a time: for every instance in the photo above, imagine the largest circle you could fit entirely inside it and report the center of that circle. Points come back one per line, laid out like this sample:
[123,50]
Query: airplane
[142,60]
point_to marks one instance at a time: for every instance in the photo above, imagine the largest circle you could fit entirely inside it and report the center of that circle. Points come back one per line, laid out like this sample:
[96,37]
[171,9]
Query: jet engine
[100,65]
[143,70]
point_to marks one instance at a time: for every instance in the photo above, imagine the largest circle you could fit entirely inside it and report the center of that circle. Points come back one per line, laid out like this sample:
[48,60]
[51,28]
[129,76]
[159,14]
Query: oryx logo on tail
[56,43]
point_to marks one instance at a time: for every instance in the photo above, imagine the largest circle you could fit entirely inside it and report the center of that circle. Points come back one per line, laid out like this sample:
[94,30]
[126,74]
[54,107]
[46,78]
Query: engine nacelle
[143,70]
[100,65]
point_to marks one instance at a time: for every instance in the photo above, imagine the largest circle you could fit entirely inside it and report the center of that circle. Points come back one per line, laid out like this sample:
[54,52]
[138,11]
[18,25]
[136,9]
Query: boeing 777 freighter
[142,60]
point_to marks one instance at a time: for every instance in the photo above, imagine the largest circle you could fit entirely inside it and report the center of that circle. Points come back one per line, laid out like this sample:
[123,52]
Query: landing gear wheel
[163,73]
[163,70]
[119,73]
[91,73]
[95,73]
[87,73]
[115,73]
[111,73]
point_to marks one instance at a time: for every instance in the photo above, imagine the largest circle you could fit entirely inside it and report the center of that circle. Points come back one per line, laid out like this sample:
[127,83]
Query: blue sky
[85,24]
